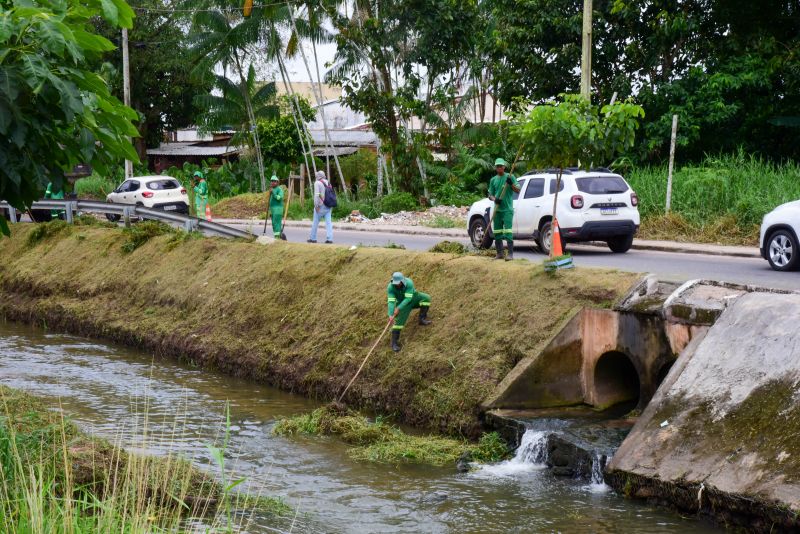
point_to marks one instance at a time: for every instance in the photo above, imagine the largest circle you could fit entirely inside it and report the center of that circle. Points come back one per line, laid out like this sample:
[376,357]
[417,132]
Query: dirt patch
[299,316]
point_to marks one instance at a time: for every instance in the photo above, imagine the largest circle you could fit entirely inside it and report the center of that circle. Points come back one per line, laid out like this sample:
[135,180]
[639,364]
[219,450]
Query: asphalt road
[667,265]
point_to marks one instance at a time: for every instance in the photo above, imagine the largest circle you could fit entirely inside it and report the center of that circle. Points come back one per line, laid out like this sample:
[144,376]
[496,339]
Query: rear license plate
[170,208]
[609,211]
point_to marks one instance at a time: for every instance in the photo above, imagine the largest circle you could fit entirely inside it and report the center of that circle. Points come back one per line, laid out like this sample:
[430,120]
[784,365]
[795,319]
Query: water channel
[161,406]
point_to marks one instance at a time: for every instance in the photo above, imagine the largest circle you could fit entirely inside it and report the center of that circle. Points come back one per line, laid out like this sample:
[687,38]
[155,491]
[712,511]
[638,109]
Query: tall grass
[95,187]
[54,479]
[741,186]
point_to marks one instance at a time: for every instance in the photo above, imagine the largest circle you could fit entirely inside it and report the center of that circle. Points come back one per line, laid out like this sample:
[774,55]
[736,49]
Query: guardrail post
[68,212]
[126,216]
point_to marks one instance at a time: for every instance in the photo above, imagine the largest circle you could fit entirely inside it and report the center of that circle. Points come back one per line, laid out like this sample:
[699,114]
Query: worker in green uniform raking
[276,206]
[402,298]
[54,195]
[200,195]
[501,189]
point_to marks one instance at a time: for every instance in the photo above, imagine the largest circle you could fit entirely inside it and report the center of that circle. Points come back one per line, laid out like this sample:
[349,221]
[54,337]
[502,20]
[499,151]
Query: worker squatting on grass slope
[402,298]
[244,309]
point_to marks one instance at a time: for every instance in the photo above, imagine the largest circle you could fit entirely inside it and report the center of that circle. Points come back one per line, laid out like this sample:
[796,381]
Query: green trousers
[502,226]
[200,207]
[277,219]
[417,301]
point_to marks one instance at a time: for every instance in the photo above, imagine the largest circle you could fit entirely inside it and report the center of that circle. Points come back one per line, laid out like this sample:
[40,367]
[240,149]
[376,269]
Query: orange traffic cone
[556,250]
[208,214]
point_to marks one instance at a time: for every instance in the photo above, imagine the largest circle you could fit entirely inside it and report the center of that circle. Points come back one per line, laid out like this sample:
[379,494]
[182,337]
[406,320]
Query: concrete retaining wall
[722,434]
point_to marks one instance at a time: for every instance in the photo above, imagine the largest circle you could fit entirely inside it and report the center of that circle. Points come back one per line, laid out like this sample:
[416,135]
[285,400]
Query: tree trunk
[253,126]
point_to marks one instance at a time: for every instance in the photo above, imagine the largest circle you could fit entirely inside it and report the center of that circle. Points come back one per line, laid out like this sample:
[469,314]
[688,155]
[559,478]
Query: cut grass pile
[378,441]
[245,206]
[301,317]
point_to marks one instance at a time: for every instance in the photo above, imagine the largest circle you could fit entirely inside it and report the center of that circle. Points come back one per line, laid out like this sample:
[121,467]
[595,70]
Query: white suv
[779,243]
[161,192]
[592,206]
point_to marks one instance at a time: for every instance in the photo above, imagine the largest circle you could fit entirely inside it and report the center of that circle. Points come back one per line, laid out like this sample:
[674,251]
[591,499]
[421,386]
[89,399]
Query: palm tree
[225,40]
[239,107]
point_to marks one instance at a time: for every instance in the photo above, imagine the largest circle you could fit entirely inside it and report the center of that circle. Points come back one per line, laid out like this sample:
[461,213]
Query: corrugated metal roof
[339,151]
[188,149]
[342,138]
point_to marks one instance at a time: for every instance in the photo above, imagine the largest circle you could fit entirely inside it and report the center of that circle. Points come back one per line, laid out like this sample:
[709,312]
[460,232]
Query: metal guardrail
[126,212]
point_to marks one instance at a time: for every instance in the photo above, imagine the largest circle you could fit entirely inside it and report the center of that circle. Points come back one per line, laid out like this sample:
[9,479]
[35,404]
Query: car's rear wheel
[620,244]
[477,229]
[783,251]
[546,238]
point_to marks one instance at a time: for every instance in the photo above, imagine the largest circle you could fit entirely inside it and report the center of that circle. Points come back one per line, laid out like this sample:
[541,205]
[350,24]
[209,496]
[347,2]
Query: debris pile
[412,218]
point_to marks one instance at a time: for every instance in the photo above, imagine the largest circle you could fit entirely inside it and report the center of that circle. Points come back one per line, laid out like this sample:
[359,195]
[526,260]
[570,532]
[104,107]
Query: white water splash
[598,484]
[530,456]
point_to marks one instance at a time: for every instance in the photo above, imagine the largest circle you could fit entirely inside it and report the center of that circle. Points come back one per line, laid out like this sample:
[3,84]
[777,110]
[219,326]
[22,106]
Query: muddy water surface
[159,406]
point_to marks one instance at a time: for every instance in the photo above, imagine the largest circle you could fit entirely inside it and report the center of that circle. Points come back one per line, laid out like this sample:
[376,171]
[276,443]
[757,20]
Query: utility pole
[671,161]
[126,90]
[586,51]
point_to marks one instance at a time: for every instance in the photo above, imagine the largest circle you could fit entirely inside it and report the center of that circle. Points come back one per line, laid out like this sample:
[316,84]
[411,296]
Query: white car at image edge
[778,240]
[159,192]
[597,205]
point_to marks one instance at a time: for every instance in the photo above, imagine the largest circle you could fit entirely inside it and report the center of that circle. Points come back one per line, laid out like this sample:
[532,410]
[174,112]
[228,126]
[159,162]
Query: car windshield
[601,185]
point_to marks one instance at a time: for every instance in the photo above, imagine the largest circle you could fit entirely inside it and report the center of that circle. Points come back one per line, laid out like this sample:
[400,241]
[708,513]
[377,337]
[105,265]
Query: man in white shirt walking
[320,209]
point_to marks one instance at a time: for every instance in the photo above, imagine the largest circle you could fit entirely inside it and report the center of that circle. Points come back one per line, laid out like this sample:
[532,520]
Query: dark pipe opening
[615,379]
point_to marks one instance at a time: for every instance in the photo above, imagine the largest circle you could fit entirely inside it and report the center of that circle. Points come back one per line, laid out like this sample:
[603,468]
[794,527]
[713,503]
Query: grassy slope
[302,317]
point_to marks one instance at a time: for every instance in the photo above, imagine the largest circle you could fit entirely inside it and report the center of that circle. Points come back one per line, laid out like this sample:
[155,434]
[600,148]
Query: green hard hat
[397,278]
[273,179]
[500,161]
[198,174]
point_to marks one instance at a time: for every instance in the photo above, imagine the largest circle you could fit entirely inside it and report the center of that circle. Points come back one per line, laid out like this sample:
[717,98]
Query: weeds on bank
[378,441]
[55,479]
[139,234]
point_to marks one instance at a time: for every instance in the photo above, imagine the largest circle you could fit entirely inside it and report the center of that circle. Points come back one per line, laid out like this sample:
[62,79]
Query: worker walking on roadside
[200,194]
[501,190]
[402,298]
[276,206]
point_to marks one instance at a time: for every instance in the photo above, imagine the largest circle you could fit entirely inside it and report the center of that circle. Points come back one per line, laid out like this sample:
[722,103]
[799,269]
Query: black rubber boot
[498,244]
[396,340]
[510,255]
[423,316]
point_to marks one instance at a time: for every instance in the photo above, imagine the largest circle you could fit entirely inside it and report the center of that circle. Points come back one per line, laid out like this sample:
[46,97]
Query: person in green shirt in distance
[276,206]
[200,194]
[501,190]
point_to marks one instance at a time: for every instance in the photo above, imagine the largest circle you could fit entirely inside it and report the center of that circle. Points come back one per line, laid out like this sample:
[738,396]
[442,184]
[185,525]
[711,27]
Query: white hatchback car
[778,241]
[592,206]
[160,192]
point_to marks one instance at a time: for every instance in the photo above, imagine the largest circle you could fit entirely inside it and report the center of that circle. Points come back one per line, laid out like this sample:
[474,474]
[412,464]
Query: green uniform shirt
[400,296]
[276,200]
[201,190]
[496,185]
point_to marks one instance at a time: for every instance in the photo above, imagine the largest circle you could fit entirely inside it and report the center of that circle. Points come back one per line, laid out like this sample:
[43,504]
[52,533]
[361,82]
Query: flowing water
[124,395]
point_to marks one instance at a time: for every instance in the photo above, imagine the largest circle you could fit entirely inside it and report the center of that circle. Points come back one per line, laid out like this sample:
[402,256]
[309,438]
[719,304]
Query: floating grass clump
[376,440]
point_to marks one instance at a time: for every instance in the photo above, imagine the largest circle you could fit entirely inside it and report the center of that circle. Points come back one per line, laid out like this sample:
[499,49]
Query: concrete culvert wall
[616,379]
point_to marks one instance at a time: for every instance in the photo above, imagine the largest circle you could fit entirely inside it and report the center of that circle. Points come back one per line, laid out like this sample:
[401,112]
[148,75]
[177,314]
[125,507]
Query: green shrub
[94,187]
[450,194]
[399,201]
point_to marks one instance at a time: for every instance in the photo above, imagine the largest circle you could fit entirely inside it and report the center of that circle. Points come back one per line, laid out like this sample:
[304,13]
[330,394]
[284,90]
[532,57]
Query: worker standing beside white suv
[597,205]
